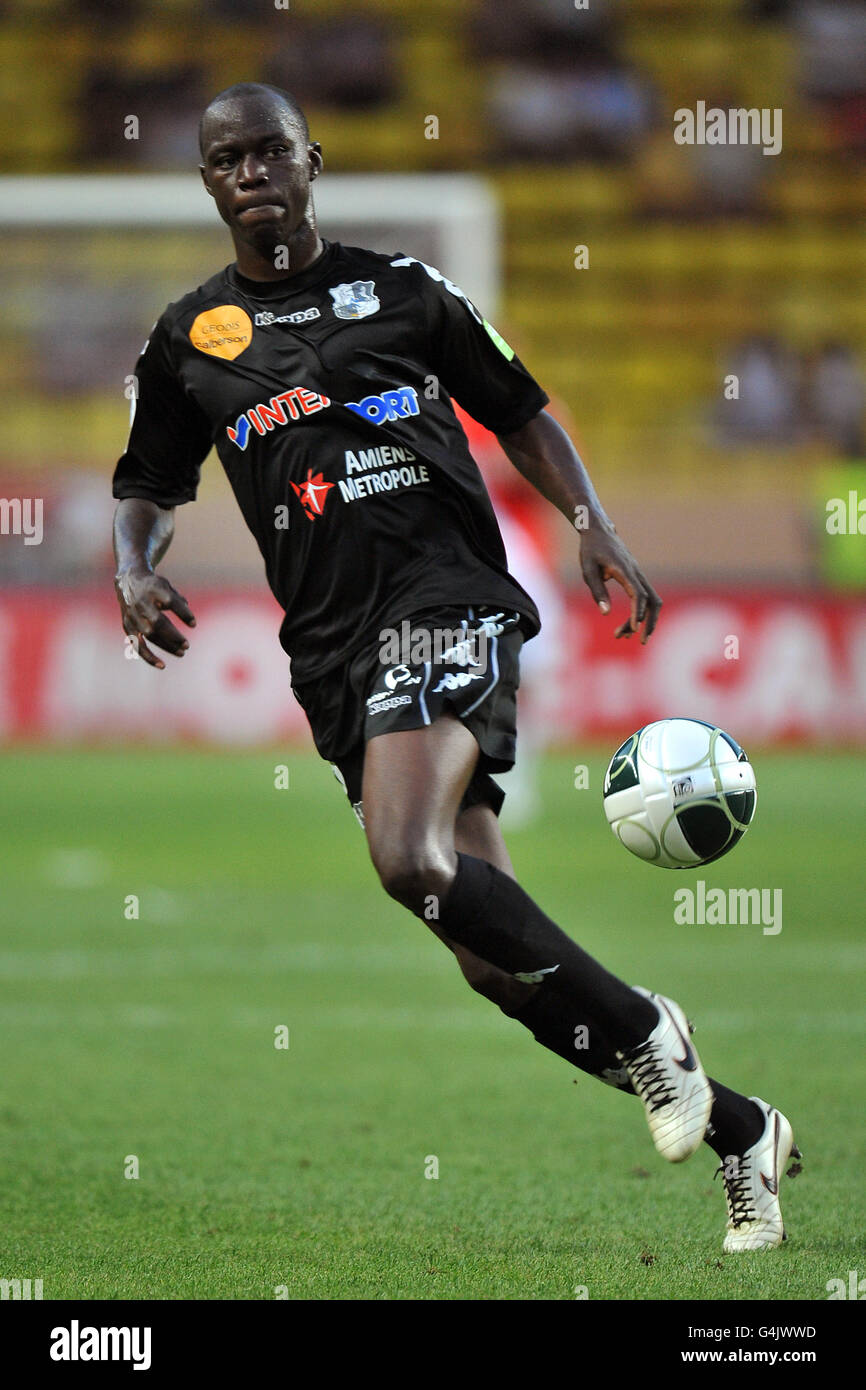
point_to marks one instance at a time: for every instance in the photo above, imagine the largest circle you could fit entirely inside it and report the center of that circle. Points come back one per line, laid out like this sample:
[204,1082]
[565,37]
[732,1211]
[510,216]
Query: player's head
[258,163]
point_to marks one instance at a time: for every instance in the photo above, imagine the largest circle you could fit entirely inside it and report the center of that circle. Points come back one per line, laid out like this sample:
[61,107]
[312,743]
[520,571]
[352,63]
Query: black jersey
[328,398]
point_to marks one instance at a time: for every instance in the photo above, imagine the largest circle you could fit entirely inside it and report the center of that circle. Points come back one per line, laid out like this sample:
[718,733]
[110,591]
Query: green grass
[305,1167]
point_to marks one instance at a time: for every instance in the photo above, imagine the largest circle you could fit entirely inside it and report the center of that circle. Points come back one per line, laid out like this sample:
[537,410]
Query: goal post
[449,220]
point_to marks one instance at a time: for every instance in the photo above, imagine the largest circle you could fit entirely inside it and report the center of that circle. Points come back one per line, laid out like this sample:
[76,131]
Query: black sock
[735,1122]
[555,1024]
[491,915]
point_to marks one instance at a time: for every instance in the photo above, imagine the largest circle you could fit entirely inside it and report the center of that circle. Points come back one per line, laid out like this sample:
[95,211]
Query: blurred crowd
[831,57]
[784,398]
[557,84]
[553,86]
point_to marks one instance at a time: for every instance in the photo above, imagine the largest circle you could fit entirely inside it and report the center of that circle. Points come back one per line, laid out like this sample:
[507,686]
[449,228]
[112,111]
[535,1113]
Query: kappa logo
[312,494]
[355,300]
[455,681]
[392,702]
[280,410]
[302,316]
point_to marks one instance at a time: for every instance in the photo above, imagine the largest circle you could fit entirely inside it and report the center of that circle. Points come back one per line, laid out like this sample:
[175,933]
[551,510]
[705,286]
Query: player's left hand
[602,557]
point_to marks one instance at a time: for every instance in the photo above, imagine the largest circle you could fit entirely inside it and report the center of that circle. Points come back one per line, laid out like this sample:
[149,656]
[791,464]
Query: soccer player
[323,374]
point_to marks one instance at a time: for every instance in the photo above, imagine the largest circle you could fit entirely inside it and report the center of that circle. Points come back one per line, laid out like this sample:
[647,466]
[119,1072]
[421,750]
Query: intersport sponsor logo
[398,404]
[299,401]
[289,405]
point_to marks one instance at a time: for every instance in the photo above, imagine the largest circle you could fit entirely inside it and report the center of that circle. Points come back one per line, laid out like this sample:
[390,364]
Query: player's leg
[419,844]
[743,1131]
[419,838]
[414,780]
[477,832]
[549,1017]
[413,784]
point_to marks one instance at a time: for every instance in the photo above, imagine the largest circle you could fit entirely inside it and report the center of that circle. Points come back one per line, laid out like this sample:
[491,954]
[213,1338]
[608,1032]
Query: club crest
[355,301]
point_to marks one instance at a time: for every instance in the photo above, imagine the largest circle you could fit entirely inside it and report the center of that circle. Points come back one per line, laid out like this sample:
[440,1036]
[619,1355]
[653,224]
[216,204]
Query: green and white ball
[679,793]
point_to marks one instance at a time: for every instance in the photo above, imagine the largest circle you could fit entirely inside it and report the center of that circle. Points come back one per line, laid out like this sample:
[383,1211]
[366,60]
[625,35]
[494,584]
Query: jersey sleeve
[169,436]
[476,365]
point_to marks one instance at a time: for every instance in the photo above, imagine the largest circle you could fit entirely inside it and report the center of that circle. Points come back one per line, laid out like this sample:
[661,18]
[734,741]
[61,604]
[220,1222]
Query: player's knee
[412,873]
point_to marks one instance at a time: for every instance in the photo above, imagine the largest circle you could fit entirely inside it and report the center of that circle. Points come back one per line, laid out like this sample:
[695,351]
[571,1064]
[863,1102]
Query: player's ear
[317,164]
[203,173]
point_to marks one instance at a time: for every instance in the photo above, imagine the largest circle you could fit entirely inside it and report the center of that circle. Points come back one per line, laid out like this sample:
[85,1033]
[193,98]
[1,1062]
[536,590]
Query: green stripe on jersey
[507,352]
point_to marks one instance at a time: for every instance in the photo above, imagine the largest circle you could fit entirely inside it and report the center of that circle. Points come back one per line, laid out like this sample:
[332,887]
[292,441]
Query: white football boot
[752,1185]
[667,1075]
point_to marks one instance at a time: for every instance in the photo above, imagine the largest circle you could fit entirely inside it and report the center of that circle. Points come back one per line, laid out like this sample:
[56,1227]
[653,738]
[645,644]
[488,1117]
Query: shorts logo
[225,332]
[302,316]
[312,494]
[393,702]
[280,410]
[355,301]
[400,675]
[455,681]
[391,405]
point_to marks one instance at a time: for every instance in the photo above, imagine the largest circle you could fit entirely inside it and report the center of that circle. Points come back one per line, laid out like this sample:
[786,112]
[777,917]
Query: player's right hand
[144,598]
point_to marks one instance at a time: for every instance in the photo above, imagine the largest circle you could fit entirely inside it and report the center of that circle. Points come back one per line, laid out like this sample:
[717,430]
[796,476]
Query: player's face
[258,168]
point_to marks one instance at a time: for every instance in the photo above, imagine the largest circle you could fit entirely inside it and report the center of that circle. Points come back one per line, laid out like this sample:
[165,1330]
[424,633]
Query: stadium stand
[635,344]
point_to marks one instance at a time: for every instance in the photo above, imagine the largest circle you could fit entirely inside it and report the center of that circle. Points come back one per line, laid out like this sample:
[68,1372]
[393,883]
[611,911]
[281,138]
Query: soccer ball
[679,793]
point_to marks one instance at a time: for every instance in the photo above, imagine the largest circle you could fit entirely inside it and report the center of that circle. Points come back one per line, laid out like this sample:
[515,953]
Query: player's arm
[481,371]
[169,438]
[142,534]
[542,451]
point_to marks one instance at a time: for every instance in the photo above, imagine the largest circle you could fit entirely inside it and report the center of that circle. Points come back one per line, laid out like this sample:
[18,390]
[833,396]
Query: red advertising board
[767,667]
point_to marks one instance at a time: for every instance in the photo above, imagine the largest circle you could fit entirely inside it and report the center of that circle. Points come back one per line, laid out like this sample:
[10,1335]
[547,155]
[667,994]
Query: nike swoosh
[688,1061]
[534,977]
[772,1184]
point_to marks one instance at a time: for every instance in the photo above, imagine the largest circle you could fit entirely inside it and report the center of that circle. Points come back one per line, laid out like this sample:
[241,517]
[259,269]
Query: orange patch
[222,332]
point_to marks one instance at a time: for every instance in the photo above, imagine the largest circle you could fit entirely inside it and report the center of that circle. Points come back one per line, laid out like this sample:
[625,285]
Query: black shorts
[463,659]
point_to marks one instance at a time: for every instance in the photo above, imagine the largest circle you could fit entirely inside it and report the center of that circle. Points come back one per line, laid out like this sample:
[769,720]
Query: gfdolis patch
[226,331]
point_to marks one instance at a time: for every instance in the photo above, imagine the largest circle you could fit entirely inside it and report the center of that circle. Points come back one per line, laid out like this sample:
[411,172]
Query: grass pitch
[148,1044]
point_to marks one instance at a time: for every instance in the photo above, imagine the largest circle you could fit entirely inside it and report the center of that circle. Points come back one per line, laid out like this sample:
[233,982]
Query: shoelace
[737,1192]
[647,1075]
